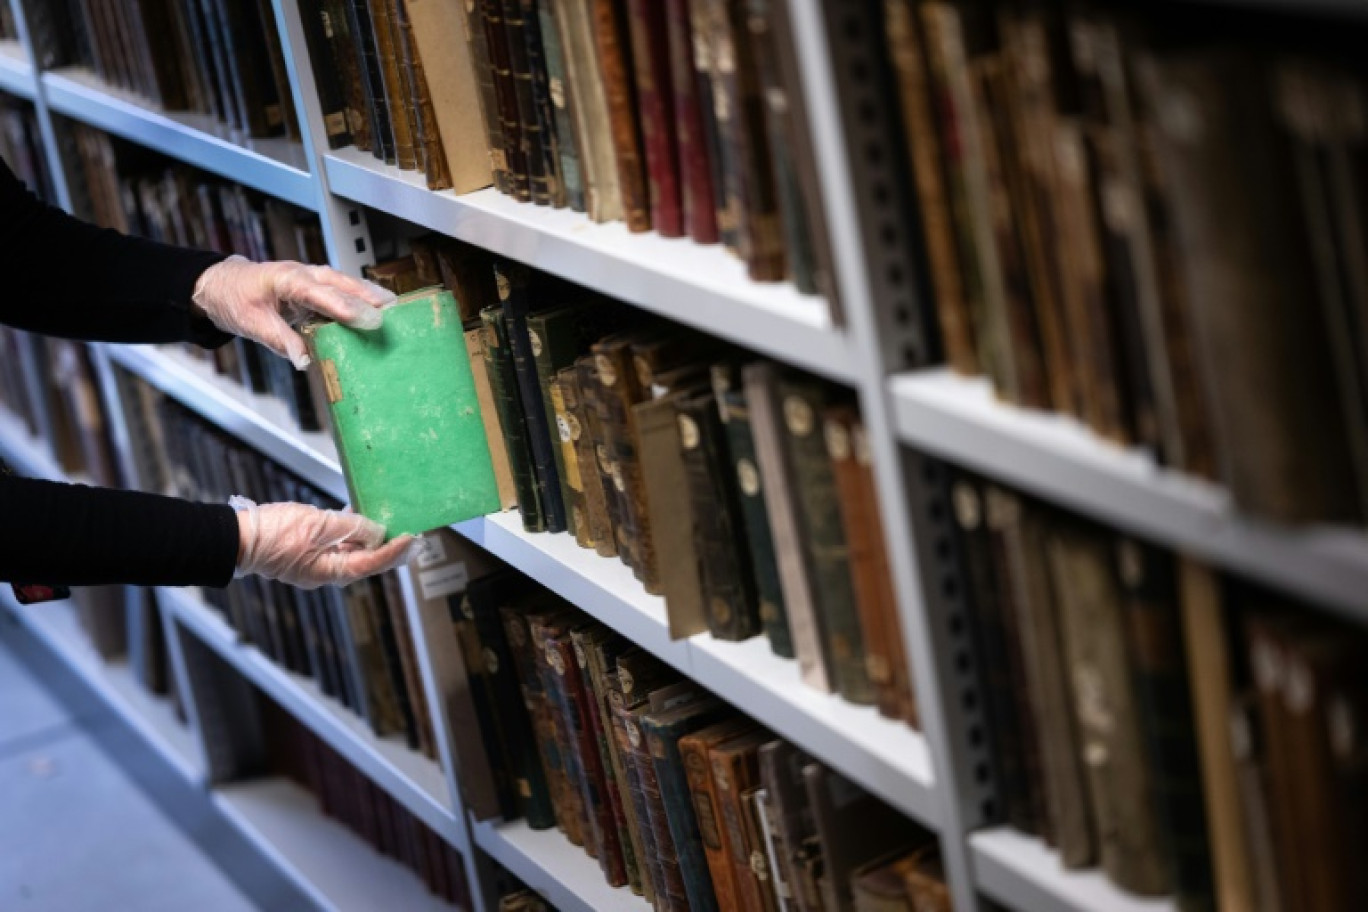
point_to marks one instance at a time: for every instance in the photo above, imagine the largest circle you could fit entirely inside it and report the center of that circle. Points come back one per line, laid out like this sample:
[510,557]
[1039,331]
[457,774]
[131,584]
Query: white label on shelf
[432,552]
[444,581]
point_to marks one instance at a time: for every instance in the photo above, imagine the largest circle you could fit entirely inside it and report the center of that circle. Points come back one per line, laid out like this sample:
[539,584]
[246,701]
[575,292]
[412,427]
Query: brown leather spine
[615,56]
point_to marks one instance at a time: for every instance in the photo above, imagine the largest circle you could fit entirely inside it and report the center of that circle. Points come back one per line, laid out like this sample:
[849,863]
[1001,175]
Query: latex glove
[262,301]
[308,547]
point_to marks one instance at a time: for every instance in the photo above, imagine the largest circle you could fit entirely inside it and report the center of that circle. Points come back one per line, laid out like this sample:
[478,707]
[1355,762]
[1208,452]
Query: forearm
[73,535]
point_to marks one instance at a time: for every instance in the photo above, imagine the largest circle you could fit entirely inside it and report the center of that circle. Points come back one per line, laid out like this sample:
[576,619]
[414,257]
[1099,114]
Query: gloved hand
[308,547]
[263,300]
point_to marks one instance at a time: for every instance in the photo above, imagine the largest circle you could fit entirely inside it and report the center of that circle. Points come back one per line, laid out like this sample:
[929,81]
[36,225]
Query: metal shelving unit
[547,862]
[16,72]
[1022,873]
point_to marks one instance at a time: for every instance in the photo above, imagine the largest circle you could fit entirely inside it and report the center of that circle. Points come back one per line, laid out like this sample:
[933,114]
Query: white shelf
[1059,459]
[1020,872]
[412,779]
[274,166]
[886,757]
[16,73]
[700,286]
[550,864]
[263,422]
[333,866]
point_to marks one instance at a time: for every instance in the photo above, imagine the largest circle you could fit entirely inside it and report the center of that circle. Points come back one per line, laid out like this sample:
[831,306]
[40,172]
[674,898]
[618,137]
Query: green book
[405,415]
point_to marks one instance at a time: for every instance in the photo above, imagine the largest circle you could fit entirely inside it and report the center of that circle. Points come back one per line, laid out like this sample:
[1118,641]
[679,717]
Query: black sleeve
[65,277]
[72,535]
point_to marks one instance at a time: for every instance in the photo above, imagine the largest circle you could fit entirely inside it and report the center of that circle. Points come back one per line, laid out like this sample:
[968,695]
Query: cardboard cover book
[405,415]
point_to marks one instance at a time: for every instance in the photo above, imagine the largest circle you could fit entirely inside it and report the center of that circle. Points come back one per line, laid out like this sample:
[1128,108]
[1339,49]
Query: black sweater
[64,277]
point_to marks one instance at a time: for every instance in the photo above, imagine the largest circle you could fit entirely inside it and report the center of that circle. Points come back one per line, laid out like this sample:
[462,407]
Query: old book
[363,33]
[541,95]
[559,94]
[426,142]
[823,540]
[489,415]
[761,381]
[854,828]
[923,874]
[1155,644]
[396,104]
[1120,781]
[617,391]
[449,73]
[753,805]
[381,420]
[530,135]
[477,42]
[581,461]
[338,48]
[399,275]
[504,385]
[729,595]
[614,49]
[1247,743]
[589,109]
[736,772]
[1278,443]
[599,480]
[506,96]
[781,771]
[698,201]
[275,54]
[712,828]
[659,133]
[877,886]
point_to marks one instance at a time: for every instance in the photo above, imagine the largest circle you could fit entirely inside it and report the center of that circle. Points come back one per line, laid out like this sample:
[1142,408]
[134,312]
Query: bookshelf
[933,777]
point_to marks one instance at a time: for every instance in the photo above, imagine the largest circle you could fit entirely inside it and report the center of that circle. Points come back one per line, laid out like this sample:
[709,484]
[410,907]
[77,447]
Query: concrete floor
[76,834]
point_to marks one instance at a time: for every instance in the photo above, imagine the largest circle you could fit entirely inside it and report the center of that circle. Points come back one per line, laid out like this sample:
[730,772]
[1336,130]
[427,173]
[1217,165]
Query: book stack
[220,58]
[346,795]
[135,192]
[601,419]
[1153,225]
[354,642]
[1190,735]
[686,118]
[678,796]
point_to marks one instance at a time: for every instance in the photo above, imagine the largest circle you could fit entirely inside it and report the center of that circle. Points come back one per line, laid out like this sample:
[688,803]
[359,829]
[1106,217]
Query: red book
[651,63]
[697,192]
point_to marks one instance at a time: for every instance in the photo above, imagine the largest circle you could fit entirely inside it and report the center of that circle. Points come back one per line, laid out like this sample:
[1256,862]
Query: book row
[602,421]
[1189,734]
[354,642]
[1152,223]
[138,192]
[679,797]
[686,118]
[221,58]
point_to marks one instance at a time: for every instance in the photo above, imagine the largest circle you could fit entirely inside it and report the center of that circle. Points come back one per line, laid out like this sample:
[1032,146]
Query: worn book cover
[406,417]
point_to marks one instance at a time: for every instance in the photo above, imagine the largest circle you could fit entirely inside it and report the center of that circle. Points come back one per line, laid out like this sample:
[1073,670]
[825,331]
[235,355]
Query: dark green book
[559,90]
[662,731]
[735,416]
[504,384]
[405,416]
[803,400]
[514,282]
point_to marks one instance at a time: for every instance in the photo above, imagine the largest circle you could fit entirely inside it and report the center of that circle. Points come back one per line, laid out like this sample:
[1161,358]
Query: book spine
[589,110]
[338,53]
[561,93]
[564,391]
[397,108]
[645,794]
[654,96]
[489,413]
[698,198]
[599,478]
[504,384]
[689,860]
[524,97]
[489,101]
[598,651]
[581,831]
[433,157]
[614,53]
[617,391]
[541,96]
[506,95]
[377,102]
[694,756]
[735,416]
[539,778]
[733,773]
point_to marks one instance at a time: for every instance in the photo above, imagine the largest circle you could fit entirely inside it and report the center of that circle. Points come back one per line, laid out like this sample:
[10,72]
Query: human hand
[308,547]
[262,301]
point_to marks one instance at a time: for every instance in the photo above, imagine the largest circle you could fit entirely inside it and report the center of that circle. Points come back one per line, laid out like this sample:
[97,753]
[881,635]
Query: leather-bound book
[1247,744]
[877,886]
[490,415]
[1120,779]
[781,771]
[654,98]
[698,199]
[781,128]
[884,656]
[719,543]
[735,772]
[779,865]
[854,828]
[923,874]
[908,56]
[663,729]
[796,575]
[615,57]
[275,54]
[559,93]
[336,17]
[427,145]
[735,416]
[589,109]
[582,466]
[1155,643]
[564,391]
[477,43]
[249,70]
[541,96]
[387,52]
[712,828]
[598,480]
[399,276]
[507,402]
[514,282]
[1279,441]
[377,102]
[823,542]
[506,96]
[617,391]
[753,805]
[530,135]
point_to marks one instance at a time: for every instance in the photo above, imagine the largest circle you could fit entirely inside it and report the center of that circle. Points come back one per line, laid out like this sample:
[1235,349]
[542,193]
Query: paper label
[444,581]
[433,551]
